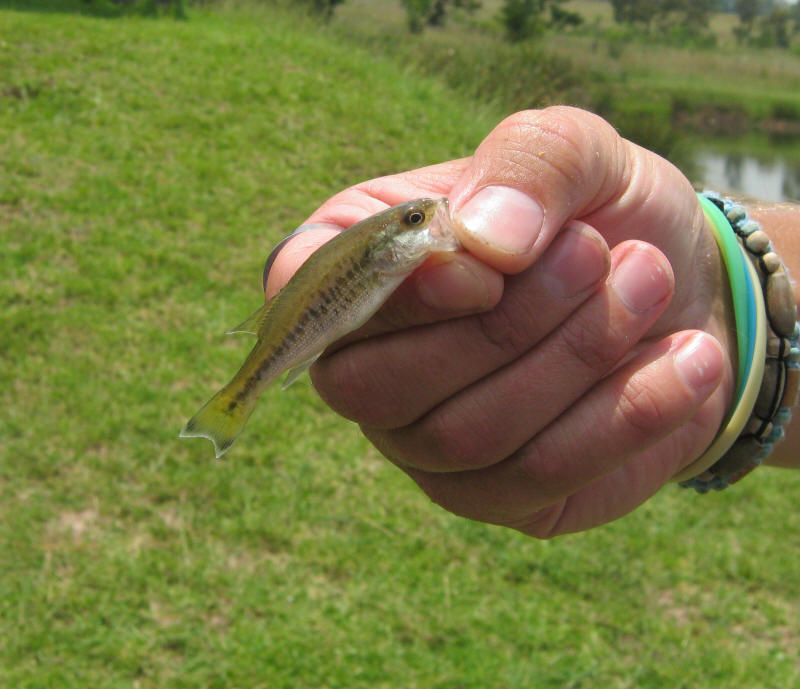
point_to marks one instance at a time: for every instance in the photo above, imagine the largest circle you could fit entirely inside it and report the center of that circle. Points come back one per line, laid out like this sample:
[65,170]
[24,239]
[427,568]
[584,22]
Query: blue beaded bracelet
[765,414]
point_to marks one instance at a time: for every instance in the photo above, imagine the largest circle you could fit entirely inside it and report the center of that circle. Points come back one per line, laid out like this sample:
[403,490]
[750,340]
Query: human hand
[540,380]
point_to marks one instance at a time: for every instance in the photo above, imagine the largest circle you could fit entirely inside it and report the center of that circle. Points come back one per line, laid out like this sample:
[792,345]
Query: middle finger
[390,381]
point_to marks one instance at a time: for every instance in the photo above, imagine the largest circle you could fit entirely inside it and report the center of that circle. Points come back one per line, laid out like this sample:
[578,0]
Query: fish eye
[414,218]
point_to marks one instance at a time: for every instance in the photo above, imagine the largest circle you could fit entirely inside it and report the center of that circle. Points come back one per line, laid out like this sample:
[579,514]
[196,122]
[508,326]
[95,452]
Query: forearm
[782,223]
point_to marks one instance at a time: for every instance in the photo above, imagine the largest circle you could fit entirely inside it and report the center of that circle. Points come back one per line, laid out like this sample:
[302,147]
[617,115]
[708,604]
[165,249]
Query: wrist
[781,221]
[768,372]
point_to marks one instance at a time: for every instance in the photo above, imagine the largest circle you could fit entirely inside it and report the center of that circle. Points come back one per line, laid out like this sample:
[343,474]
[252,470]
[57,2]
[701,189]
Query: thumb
[532,173]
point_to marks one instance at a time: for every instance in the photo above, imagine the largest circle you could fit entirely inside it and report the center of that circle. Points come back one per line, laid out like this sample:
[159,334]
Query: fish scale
[338,288]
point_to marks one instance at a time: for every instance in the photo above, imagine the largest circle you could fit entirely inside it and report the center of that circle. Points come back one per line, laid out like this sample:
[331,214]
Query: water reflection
[775,179]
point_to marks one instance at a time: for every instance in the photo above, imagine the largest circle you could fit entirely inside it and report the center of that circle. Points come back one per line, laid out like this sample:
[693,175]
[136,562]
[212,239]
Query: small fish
[335,291]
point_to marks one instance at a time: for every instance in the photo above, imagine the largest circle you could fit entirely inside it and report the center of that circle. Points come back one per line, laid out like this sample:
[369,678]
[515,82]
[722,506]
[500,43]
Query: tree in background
[777,28]
[323,8]
[748,11]
[524,19]
[422,13]
[695,13]
[767,23]
[691,15]
[641,12]
[561,18]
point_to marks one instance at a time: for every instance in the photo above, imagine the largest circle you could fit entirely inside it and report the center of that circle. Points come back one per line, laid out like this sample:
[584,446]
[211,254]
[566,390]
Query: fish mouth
[442,229]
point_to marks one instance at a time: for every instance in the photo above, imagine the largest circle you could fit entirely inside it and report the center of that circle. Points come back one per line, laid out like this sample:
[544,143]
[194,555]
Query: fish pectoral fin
[299,370]
[252,324]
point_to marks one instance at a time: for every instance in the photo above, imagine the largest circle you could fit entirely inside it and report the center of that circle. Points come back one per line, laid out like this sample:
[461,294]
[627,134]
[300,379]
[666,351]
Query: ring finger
[492,418]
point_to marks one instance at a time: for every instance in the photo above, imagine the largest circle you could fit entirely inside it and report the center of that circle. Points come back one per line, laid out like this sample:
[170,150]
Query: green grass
[146,168]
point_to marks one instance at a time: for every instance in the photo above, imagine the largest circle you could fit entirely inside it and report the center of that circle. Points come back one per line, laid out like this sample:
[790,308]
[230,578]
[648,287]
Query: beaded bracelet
[769,357]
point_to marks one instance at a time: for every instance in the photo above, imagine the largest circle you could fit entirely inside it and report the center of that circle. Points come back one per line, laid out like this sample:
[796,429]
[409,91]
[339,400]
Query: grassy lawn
[146,168]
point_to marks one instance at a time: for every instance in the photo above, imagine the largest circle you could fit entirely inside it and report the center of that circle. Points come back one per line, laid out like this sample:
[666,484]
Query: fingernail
[504,218]
[699,362]
[575,261]
[452,286]
[641,281]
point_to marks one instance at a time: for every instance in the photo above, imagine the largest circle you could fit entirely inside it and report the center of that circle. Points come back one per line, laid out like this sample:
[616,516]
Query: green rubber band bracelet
[739,415]
[734,265]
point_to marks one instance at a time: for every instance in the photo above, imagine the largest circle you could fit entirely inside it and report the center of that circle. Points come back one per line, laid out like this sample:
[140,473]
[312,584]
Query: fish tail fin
[222,419]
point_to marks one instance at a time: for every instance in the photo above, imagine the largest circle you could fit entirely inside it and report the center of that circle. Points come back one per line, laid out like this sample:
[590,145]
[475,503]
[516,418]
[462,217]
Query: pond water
[771,177]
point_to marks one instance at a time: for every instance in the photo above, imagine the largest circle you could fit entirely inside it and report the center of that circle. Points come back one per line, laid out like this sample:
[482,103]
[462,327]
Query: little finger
[631,410]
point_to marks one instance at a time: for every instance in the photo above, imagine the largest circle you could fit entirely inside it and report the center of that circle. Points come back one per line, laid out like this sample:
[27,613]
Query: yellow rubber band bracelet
[744,407]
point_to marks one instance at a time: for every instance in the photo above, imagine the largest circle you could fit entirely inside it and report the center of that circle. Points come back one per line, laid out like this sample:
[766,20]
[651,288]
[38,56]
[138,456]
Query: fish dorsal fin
[252,324]
[299,370]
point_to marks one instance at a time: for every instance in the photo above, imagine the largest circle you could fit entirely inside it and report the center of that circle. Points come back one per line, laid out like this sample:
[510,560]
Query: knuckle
[532,146]
[641,410]
[504,332]
[592,346]
[543,523]
[562,155]
[543,468]
[567,132]
[456,442]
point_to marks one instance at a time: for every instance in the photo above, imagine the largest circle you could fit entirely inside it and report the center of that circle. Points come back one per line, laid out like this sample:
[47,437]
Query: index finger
[352,205]
[362,200]
[445,286]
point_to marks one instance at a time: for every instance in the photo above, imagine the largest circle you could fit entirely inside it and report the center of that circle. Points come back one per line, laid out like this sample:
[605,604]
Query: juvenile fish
[335,291]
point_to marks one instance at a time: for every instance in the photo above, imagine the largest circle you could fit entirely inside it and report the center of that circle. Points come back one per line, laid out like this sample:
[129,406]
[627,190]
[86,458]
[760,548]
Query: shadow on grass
[109,9]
